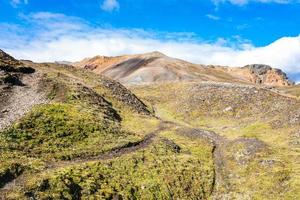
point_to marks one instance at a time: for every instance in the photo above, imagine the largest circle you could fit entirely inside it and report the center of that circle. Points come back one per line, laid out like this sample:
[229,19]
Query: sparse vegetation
[158,172]
[293,90]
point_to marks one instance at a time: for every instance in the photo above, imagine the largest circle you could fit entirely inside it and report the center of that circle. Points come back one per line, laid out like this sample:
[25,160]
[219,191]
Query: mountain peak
[155,53]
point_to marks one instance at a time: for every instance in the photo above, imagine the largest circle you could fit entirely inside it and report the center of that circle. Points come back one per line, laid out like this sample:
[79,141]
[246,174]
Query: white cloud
[244,2]
[212,17]
[110,5]
[15,3]
[56,37]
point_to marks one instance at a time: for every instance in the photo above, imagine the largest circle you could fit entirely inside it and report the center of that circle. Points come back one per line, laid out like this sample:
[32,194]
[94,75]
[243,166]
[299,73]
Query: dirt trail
[18,100]
[219,143]
[220,179]
[114,153]
[221,184]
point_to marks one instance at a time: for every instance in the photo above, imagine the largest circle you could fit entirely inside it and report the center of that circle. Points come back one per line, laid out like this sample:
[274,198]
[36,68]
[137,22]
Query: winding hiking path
[218,142]
[221,182]
[220,179]
[114,153]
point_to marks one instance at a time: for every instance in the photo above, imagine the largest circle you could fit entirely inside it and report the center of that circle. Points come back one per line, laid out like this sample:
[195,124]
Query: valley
[173,130]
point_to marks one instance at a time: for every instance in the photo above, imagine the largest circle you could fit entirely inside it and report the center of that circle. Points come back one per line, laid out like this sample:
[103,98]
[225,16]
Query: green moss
[64,131]
[157,172]
[141,125]
[255,129]
[262,173]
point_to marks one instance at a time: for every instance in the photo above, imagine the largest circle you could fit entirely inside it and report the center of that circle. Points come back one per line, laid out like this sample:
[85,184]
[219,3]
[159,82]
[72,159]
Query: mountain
[157,67]
[69,133]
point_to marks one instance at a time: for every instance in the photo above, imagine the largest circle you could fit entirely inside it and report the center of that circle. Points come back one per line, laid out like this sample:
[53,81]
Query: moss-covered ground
[158,172]
[239,114]
[94,139]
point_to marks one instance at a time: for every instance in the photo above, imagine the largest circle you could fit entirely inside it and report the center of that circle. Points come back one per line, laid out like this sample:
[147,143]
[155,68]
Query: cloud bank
[244,2]
[56,37]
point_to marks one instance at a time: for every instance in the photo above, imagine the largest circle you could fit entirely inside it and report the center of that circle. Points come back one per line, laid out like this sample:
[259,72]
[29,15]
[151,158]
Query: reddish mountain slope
[157,67]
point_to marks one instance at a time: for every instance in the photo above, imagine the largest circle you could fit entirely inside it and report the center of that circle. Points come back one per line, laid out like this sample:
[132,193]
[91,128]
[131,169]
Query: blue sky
[225,32]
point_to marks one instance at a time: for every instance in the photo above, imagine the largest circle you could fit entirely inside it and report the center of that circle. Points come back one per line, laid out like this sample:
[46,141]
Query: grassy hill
[89,137]
[67,133]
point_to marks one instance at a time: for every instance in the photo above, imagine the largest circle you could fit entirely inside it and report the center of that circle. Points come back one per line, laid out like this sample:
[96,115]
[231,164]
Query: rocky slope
[261,74]
[7,61]
[18,89]
[157,67]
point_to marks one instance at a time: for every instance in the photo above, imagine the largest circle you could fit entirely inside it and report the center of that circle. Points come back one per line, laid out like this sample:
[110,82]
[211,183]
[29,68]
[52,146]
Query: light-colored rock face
[264,74]
[157,67]
[261,74]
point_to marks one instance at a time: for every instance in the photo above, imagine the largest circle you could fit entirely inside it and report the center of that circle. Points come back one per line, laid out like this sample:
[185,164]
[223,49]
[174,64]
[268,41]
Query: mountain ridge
[157,67]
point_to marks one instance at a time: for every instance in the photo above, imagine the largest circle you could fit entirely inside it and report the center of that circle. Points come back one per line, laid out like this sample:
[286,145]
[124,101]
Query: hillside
[157,67]
[257,133]
[69,133]
[292,90]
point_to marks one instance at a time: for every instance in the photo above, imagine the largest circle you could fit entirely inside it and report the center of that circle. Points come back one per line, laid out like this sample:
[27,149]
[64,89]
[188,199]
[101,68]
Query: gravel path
[18,100]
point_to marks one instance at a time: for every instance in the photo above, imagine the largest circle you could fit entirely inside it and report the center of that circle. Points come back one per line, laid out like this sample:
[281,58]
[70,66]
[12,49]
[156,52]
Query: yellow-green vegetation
[81,145]
[138,124]
[256,172]
[168,169]
[64,131]
[239,112]
[292,90]
[94,139]
[84,117]
[198,147]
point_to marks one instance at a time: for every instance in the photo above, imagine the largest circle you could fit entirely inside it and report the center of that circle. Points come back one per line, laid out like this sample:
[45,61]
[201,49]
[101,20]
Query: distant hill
[157,67]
